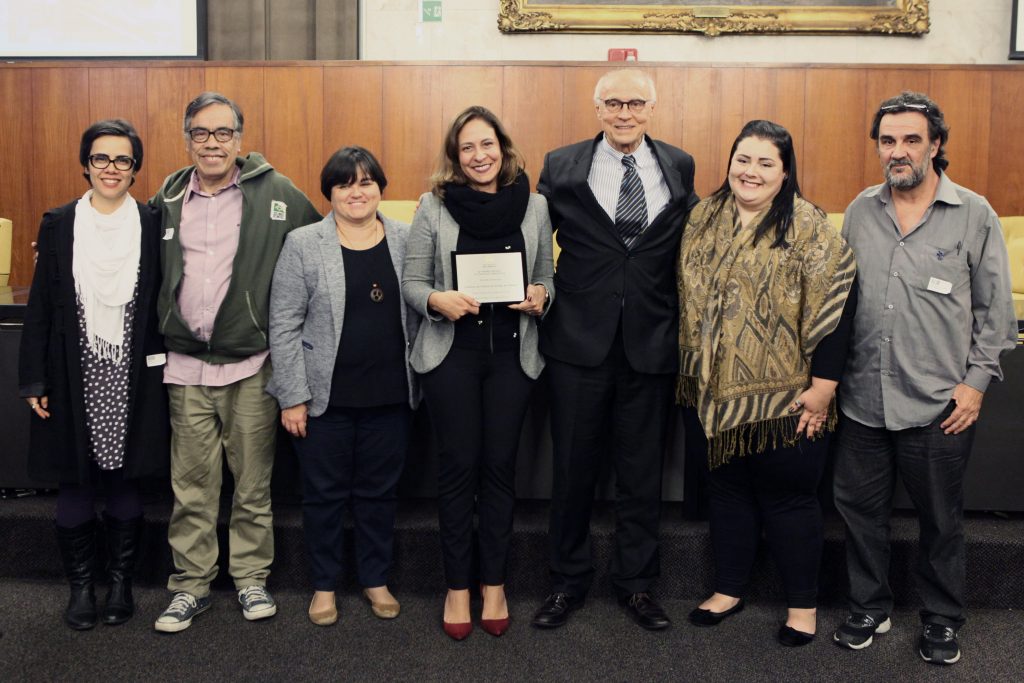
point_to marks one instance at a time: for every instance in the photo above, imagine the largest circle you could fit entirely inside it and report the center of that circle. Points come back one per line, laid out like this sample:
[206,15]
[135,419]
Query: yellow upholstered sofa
[6,235]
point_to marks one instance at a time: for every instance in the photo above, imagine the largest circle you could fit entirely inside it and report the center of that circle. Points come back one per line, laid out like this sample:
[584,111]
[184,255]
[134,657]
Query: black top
[829,358]
[369,369]
[497,326]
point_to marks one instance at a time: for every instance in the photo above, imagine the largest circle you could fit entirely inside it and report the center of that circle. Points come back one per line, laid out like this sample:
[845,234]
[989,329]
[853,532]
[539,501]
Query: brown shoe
[383,610]
[323,617]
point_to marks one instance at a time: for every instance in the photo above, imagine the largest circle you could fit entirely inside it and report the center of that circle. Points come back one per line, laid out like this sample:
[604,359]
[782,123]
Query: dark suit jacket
[598,280]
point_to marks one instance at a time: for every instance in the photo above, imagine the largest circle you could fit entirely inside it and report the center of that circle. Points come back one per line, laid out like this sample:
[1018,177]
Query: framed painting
[713,18]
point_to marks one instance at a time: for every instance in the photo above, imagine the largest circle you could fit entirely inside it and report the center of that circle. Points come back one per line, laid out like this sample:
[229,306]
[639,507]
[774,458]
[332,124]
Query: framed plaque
[492,277]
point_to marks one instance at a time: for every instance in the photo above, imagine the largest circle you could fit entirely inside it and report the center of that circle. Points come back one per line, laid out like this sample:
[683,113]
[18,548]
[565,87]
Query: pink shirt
[209,230]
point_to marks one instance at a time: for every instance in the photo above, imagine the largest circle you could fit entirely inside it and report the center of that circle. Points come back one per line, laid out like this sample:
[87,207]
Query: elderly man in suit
[618,204]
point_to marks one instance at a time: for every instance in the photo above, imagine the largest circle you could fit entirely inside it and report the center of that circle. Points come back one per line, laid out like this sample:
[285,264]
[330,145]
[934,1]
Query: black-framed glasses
[101,161]
[203,134]
[615,106]
[904,107]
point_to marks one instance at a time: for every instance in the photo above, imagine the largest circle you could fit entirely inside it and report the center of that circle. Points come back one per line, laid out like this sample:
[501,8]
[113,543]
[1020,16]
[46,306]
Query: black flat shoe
[555,610]
[790,637]
[705,617]
[648,614]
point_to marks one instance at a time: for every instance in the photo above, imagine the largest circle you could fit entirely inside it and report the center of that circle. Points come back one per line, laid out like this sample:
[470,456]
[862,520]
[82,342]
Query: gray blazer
[428,269]
[307,311]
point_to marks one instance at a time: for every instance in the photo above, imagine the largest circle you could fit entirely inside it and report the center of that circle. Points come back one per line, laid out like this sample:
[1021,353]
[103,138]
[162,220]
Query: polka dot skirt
[106,392]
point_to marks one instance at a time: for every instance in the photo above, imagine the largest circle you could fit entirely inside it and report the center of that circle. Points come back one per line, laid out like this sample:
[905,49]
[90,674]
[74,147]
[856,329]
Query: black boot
[122,553]
[78,552]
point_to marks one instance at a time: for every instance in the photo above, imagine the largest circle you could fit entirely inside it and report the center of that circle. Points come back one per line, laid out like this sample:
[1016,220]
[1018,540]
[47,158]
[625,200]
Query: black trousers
[597,412]
[931,465]
[477,401]
[774,491]
[352,456]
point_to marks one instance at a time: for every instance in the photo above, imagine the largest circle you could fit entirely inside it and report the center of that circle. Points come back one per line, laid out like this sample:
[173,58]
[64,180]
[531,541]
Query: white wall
[962,32]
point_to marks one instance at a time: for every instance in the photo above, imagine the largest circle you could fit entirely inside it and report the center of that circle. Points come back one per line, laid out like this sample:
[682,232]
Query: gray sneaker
[256,603]
[858,631]
[178,615]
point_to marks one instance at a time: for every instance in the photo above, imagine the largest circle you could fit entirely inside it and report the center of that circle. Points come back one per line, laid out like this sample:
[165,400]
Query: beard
[907,182]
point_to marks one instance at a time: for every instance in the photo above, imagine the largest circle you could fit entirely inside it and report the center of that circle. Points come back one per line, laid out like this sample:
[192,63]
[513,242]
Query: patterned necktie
[631,212]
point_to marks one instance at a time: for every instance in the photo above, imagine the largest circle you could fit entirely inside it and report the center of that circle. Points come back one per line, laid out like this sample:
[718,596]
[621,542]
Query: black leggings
[776,490]
[76,503]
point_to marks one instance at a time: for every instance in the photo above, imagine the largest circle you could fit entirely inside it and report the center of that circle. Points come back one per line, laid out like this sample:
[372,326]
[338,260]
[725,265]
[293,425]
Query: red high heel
[458,631]
[496,627]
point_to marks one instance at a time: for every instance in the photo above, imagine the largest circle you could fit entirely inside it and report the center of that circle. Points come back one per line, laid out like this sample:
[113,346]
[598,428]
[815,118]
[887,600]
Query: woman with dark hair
[765,310]
[339,340]
[90,368]
[477,361]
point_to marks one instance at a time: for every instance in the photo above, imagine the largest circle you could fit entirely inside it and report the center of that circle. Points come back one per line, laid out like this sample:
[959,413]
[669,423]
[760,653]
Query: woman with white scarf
[91,368]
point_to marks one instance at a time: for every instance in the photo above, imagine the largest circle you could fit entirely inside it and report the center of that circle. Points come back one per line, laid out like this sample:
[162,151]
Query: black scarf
[485,215]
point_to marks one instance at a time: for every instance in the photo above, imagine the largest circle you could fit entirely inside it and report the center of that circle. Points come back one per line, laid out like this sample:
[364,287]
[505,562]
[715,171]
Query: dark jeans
[76,503]
[608,410]
[477,401]
[352,456]
[777,491]
[932,466]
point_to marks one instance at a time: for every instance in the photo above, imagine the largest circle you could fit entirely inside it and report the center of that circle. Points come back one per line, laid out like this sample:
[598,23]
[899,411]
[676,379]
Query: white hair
[635,74]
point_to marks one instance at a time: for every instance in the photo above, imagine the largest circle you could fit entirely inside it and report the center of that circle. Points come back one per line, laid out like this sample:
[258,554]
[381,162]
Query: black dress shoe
[555,610]
[705,617]
[790,637]
[642,608]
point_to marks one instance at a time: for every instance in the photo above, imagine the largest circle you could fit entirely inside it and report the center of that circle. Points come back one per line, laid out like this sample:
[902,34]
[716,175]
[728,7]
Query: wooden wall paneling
[168,90]
[965,98]
[532,106]
[121,93]
[20,157]
[294,125]
[1006,145]
[731,118]
[699,92]
[464,86]
[413,128]
[667,122]
[236,29]
[579,120]
[245,86]
[60,107]
[777,95]
[880,85]
[834,136]
[353,112]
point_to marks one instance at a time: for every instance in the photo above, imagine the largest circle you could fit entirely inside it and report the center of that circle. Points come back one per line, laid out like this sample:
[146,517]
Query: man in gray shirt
[935,314]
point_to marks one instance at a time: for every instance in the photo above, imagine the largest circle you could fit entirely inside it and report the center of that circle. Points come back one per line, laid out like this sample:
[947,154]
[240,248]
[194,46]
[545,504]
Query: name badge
[155,359]
[278,210]
[940,286]
[168,234]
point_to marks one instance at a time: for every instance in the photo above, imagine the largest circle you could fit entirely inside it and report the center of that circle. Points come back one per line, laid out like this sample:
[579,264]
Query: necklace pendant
[376,293]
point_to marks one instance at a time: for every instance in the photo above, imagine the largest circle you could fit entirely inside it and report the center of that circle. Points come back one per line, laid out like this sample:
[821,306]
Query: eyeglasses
[203,134]
[904,107]
[615,106]
[121,163]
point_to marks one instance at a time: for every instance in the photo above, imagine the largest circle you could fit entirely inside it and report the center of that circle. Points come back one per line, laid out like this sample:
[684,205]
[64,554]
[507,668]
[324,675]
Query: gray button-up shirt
[935,307]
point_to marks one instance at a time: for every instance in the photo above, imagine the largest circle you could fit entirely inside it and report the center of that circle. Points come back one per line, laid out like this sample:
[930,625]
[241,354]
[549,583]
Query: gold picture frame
[904,17]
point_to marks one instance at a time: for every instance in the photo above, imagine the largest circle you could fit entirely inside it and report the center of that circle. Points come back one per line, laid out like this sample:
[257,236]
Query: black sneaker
[938,645]
[178,615]
[858,631]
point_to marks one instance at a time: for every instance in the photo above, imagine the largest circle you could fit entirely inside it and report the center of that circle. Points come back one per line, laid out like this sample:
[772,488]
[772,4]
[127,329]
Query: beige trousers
[237,422]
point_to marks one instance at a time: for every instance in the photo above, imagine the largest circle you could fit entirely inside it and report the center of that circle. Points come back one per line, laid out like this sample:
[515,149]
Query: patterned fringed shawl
[750,318]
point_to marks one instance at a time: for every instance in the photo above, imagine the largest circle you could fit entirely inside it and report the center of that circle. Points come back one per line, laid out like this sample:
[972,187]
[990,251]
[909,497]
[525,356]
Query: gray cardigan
[307,311]
[428,269]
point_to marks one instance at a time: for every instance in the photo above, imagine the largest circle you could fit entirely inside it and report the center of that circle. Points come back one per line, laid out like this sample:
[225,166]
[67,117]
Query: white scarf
[105,265]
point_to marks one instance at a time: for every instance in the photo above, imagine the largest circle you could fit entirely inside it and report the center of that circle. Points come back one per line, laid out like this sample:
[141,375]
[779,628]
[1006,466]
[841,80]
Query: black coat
[50,361]
[599,280]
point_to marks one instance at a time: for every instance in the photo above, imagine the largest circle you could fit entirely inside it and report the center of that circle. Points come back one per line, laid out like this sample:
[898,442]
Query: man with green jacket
[224,221]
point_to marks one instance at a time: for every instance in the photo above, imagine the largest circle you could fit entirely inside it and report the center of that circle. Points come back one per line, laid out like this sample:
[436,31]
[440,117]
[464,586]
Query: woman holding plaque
[766,300]
[477,353]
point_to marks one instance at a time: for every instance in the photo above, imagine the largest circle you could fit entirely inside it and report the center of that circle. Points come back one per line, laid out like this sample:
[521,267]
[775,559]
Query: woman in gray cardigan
[477,361]
[339,340]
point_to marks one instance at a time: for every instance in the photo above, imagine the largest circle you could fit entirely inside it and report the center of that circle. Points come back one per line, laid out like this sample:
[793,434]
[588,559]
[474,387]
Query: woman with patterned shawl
[765,309]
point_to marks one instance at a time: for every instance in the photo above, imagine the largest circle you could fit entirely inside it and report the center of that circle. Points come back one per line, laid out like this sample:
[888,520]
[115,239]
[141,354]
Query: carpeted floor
[599,644]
